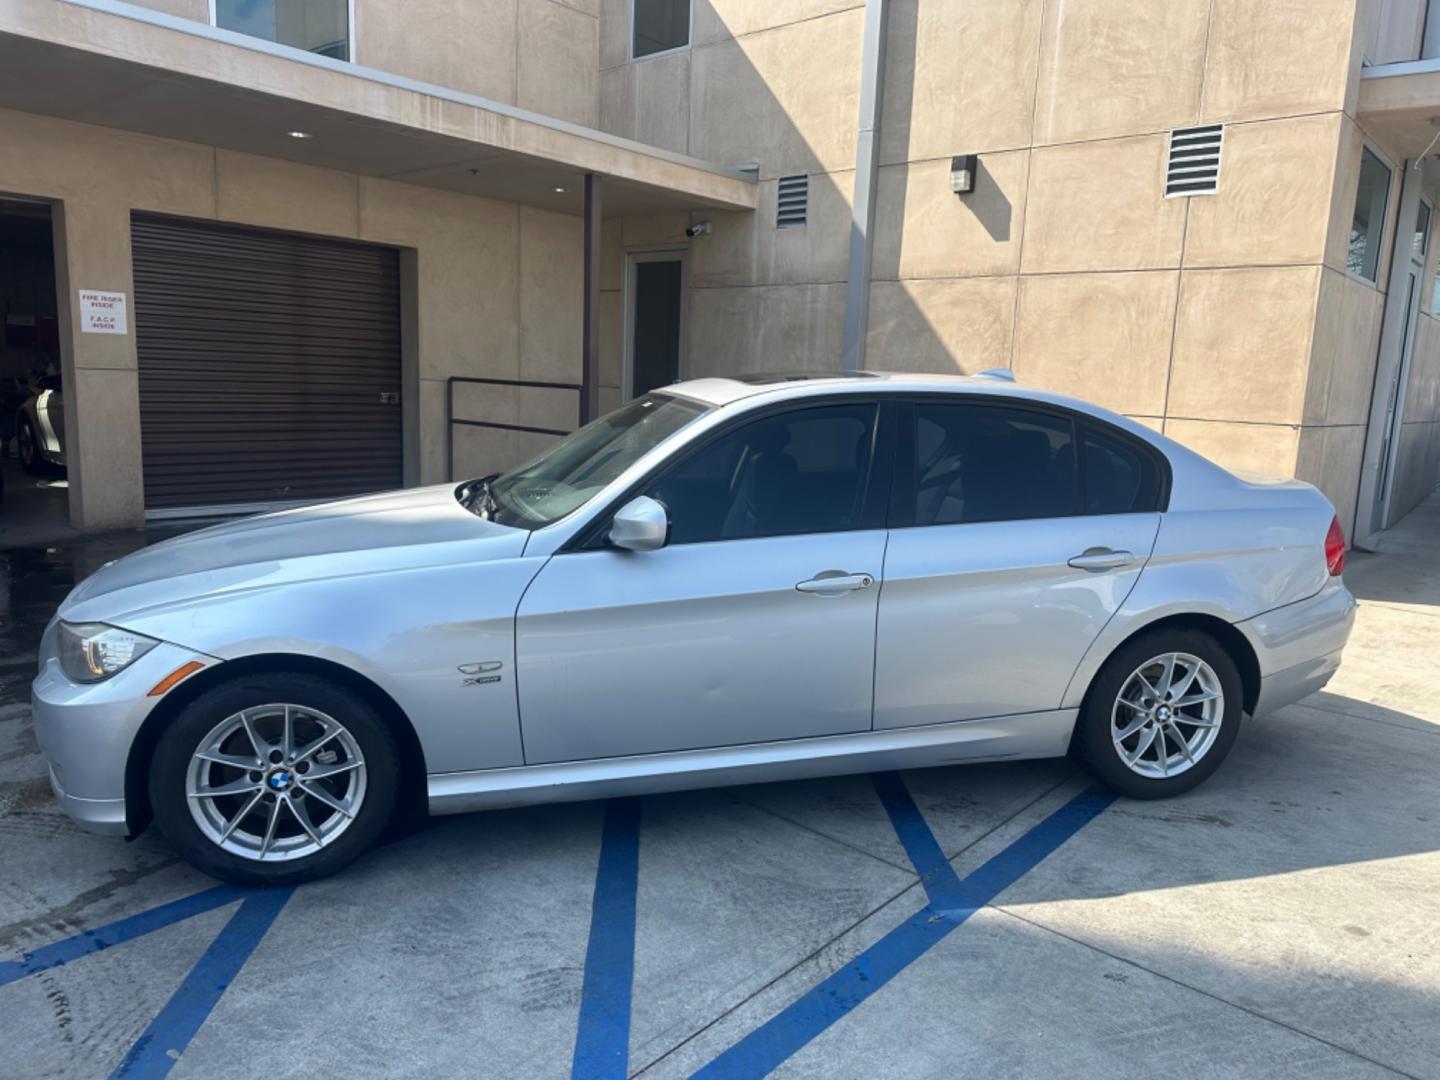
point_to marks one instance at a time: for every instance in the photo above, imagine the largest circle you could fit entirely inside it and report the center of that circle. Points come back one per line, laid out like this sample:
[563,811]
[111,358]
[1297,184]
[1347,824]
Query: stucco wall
[498,286]
[542,55]
[1212,318]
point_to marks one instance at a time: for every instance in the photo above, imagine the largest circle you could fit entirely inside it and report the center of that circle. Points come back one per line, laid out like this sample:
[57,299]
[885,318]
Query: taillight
[1335,548]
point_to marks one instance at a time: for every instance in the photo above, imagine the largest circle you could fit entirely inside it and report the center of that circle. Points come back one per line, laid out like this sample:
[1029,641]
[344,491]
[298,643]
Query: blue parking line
[602,1040]
[161,1044]
[952,900]
[118,932]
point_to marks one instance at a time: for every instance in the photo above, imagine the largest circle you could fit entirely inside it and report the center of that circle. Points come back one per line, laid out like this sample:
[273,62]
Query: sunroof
[769,378]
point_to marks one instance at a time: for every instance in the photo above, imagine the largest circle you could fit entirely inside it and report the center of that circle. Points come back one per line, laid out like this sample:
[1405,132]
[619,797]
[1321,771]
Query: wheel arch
[412,803]
[1231,639]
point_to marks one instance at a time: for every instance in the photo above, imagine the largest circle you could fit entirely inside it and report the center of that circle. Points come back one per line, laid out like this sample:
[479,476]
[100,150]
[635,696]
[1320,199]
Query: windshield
[571,472]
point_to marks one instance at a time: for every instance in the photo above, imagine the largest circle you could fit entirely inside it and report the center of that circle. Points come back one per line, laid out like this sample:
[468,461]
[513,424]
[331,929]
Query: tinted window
[1368,224]
[795,472]
[991,463]
[659,26]
[318,26]
[1119,479]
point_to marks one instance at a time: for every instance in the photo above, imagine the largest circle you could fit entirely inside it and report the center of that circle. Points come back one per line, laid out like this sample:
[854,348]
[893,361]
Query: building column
[867,170]
[590,334]
[98,370]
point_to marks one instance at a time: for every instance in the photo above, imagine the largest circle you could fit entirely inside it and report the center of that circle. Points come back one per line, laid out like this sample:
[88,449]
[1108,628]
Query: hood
[396,531]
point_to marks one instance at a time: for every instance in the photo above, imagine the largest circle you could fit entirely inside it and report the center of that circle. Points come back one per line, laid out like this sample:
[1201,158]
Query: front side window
[1368,225]
[658,26]
[579,466]
[318,26]
[979,463]
[805,471]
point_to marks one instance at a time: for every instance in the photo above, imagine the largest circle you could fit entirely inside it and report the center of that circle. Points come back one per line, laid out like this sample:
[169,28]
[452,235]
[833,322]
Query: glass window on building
[1369,223]
[658,26]
[1420,244]
[318,26]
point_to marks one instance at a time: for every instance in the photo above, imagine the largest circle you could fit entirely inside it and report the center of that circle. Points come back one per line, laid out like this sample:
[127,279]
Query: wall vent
[1194,161]
[794,199]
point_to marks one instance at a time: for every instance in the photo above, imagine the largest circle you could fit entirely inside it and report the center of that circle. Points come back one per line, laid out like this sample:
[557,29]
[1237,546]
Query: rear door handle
[835,583]
[1102,558]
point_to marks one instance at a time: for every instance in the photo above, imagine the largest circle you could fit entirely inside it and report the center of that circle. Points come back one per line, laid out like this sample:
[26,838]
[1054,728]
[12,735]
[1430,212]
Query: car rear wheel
[29,446]
[1162,714]
[270,780]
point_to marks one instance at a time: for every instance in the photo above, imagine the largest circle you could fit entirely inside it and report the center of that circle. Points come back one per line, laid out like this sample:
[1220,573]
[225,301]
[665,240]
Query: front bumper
[1299,645]
[86,731]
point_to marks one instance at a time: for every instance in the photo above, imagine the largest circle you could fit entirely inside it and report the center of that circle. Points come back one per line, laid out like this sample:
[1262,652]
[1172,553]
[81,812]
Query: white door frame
[634,257]
[1395,426]
[1372,504]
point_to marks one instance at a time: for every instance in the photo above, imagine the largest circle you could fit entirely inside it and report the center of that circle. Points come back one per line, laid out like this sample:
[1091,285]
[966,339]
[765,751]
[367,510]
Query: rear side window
[979,463]
[1118,477]
[804,471]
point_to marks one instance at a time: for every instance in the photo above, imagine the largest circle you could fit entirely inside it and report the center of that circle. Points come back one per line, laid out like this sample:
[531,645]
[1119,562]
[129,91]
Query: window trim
[883,459]
[1390,189]
[349,30]
[905,468]
[630,35]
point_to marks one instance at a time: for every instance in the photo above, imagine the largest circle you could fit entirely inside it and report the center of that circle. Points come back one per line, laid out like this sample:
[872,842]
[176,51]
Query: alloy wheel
[1167,715]
[276,782]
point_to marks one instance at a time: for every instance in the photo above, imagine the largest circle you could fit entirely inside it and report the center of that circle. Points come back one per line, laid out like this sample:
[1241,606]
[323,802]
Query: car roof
[728,389]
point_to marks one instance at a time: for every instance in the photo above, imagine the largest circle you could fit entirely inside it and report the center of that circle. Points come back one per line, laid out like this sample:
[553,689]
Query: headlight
[90,652]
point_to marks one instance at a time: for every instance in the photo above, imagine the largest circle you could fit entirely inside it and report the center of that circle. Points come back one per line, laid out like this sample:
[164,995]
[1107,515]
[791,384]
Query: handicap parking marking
[950,901]
[158,1048]
[160,1045]
[118,932]
[602,1037]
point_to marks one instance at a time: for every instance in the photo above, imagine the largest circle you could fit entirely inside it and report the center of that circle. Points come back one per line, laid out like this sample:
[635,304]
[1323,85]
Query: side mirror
[640,525]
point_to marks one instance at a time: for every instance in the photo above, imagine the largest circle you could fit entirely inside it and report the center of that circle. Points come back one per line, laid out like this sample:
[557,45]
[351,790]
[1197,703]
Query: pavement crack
[858,922]
[833,839]
[1201,991]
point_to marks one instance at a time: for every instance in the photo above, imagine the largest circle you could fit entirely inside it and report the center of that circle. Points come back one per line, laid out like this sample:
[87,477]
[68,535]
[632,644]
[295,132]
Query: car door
[755,623]
[1019,532]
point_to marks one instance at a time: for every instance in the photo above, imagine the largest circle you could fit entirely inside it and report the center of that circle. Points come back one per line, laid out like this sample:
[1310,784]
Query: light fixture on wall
[300,134]
[559,191]
[962,173]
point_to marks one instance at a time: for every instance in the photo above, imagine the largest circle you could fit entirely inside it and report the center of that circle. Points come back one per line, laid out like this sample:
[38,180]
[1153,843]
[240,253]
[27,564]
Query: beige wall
[541,55]
[776,84]
[1227,321]
[498,286]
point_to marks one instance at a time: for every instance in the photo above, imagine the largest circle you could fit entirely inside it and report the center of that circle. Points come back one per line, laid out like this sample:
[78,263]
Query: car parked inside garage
[726,581]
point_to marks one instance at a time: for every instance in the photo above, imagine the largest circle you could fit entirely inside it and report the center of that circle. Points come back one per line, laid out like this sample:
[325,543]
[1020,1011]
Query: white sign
[103,312]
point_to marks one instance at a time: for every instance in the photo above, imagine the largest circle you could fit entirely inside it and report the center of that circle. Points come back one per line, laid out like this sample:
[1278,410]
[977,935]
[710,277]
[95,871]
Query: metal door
[269,365]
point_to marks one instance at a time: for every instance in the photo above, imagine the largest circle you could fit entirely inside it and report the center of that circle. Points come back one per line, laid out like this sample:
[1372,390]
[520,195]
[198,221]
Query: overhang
[122,66]
[1398,103]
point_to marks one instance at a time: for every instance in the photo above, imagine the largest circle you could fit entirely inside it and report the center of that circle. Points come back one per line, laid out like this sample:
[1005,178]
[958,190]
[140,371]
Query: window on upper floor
[318,26]
[657,26]
[1368,225]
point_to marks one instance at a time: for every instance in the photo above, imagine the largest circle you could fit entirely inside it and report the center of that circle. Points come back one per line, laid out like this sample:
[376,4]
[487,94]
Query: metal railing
[451,420]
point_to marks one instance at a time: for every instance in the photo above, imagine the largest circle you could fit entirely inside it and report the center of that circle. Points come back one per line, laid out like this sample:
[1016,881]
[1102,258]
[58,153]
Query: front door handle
[1102,558]
[835,583]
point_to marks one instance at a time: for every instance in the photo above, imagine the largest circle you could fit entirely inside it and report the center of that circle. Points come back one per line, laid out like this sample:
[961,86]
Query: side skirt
[1027,735]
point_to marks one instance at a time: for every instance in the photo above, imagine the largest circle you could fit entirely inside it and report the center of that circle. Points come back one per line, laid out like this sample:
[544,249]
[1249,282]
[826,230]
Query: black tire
[171,761]
[1093,745]
[28,446]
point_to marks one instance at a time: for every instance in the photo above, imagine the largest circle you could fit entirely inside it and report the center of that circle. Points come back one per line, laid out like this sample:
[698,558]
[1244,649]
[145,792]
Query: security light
[300,135]
[962,174]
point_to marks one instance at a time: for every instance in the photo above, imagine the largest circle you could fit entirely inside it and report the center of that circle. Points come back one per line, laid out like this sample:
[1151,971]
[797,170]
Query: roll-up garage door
[269,365]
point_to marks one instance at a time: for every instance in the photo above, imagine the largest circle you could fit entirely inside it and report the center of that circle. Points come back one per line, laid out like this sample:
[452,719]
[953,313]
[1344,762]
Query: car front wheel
[1162,714]
[274,779]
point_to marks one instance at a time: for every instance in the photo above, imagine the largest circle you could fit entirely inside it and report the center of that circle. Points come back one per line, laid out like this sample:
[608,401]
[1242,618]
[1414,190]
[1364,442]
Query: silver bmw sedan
[728,581]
